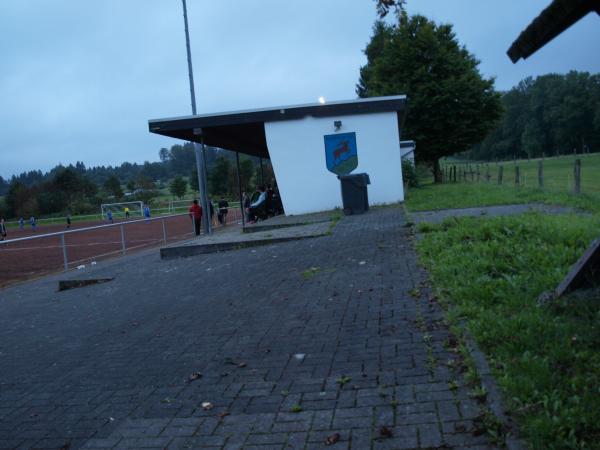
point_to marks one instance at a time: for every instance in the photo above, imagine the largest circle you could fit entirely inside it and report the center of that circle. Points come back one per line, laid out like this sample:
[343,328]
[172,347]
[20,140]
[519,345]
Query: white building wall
[297,152]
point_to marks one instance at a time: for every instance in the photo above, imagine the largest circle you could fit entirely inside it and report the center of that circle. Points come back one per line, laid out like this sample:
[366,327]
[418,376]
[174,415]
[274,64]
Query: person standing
[32,223]
[2,229]
[68,220]
[196,215]
[109,216]
[223,210]
[147,213]
[246,205]
[21,224]
[126,212]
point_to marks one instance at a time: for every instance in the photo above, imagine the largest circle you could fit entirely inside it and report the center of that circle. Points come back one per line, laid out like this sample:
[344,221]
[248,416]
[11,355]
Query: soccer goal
[119,210]
[179,205]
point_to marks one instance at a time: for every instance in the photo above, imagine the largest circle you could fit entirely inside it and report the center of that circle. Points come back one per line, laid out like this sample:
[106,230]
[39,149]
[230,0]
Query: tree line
[77,189]
[550,115]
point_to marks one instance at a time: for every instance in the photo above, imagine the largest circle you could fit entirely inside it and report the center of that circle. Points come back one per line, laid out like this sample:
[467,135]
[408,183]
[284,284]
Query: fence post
[487,173]
[500,173]
[517,176]
[478,173]
[454,173]
[541,173]
[164,231]
[122,239]
[64,249]
[471,172]
[577,176]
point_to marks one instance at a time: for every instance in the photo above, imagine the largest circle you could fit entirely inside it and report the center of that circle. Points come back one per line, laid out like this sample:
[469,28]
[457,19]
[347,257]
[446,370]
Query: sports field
[31,258]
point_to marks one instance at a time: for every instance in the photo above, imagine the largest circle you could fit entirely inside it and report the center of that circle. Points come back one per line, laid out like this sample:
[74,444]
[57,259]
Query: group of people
[195,212]
[263,204]
[4,233]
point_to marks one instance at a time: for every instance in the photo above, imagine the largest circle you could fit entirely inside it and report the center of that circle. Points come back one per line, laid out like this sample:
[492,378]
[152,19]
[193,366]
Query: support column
[239,179]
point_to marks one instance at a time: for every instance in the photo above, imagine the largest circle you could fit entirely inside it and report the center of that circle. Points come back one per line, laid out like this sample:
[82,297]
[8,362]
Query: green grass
[489,273]
[558,172]
[466,195]
[558,185]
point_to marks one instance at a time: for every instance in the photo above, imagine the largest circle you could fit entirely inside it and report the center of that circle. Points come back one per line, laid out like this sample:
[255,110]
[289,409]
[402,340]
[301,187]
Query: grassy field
[489,273]
[558,172]
[558,190]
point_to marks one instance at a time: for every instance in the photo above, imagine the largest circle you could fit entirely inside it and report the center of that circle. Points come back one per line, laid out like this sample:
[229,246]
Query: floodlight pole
[198,150]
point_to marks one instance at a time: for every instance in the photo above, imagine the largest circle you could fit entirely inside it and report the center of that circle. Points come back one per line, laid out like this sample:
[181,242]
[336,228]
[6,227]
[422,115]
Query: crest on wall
[340,153]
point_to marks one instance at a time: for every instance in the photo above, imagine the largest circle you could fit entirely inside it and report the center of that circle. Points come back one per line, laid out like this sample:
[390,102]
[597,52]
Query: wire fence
[30,255]
[576,174]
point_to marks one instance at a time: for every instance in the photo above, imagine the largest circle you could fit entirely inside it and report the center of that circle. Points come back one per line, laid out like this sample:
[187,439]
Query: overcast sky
[80,79]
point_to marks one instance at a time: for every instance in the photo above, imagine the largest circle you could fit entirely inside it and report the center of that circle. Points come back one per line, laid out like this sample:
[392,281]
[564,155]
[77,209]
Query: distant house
[407,151]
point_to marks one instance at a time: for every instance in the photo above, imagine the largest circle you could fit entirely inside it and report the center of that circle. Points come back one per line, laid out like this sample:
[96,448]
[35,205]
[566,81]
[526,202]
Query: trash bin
[354,193]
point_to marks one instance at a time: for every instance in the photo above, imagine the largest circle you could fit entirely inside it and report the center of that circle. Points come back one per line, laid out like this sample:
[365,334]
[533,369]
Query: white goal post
[118,209]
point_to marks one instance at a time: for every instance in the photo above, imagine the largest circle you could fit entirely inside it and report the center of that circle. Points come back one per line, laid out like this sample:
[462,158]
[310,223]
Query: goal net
[180,205]
[119,210]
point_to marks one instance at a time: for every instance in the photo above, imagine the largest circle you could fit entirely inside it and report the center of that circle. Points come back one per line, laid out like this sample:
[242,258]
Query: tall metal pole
[239,177]
[198,150]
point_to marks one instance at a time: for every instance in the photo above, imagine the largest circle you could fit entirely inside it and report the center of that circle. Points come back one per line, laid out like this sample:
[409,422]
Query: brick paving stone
[108,366]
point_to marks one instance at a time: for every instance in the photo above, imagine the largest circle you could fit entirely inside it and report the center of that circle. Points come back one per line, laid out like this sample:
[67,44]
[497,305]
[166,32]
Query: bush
[409,174]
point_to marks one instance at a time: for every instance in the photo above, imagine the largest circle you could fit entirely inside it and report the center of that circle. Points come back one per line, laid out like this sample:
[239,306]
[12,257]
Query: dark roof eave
[552,21]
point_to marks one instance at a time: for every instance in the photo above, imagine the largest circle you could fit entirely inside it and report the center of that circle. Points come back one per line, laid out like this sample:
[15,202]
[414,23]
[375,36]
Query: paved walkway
[296,343]
[439,216]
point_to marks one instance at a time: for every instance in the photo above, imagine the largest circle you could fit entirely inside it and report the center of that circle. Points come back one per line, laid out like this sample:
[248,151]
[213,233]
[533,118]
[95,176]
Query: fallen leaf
[242,364]
[207,406]
[385,432]
[223,414]
[194,376]
[332,439]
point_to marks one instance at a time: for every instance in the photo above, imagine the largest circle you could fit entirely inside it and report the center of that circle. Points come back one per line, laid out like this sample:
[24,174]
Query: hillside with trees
[551,115]
[80,190]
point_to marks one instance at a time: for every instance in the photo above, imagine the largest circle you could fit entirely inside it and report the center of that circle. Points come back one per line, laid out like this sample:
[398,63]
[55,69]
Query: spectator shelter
[294,138]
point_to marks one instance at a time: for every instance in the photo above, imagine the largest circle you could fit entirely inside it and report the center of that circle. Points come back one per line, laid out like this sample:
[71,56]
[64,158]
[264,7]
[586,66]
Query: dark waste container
[354,193]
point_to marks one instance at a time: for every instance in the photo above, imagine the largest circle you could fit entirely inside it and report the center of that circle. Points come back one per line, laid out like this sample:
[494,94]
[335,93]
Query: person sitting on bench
[257,209]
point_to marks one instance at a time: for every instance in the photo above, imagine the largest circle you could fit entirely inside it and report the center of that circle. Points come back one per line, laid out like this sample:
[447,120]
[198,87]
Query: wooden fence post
[517,176]
[500,173]
[487,173]
[478,173]
[454,173]
[541,173]
[577,176]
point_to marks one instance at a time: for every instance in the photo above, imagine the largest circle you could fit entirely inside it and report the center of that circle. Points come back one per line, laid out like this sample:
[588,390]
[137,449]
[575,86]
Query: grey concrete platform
[276,347]
[289,221]
[234,239]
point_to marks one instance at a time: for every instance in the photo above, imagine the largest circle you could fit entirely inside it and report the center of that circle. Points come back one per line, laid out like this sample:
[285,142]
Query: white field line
[89,244]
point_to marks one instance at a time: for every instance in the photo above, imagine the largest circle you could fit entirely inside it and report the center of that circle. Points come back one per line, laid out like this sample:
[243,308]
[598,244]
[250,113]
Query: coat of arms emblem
[340,153]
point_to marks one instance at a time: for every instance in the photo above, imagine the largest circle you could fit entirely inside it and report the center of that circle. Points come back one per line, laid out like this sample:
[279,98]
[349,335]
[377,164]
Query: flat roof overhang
[244,131]
[553,20]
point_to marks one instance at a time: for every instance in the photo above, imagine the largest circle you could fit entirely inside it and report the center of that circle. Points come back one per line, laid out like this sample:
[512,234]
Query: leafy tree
[70,183]
[384,6]
[452,106]
[218,177]
[549,115]
[16,199]
[131,185]
[164,154]
[113,187]
[194,178]
[178,186]
[147,189]
[246,172]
